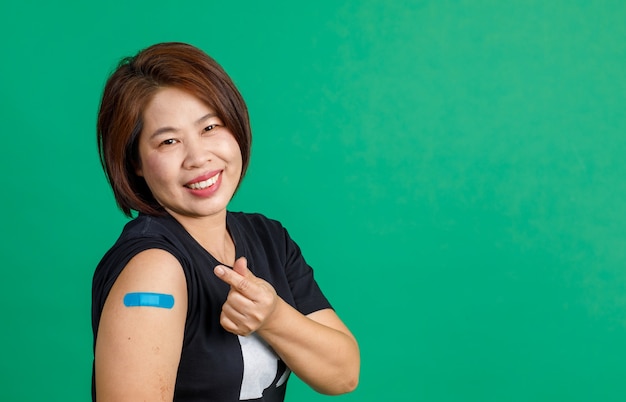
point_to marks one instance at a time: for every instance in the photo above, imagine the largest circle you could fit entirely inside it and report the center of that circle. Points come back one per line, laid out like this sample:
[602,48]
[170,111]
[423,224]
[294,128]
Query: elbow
[348,380]
[342,383]
[349,384]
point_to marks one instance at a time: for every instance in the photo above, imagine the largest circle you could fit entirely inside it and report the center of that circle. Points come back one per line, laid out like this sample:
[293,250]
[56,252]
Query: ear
[138,169]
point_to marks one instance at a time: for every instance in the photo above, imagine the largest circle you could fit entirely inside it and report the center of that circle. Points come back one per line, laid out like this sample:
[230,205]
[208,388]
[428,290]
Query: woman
[194,302]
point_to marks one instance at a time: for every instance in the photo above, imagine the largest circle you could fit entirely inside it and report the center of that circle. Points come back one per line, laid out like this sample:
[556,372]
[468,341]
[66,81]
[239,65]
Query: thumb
[241,267]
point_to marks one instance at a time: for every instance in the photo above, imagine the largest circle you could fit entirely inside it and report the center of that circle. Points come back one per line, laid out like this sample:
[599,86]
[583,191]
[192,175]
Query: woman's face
[190,161]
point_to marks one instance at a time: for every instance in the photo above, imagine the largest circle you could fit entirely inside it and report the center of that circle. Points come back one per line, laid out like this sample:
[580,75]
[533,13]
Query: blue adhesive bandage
[148,300]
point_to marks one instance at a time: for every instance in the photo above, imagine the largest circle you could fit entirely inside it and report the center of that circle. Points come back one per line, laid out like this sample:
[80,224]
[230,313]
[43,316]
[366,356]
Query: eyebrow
[169,129]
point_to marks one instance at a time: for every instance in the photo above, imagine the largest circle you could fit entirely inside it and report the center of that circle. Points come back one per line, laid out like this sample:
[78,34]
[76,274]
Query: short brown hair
[127,92]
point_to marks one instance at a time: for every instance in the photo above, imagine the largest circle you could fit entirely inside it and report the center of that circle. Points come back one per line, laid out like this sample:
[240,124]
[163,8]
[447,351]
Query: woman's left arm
[317,347]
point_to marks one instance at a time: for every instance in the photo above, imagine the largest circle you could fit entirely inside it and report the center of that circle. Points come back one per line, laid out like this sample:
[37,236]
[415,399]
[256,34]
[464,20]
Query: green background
[453,170]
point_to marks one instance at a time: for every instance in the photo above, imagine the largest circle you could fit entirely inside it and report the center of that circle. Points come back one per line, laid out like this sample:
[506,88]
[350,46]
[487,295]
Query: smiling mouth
[201,185]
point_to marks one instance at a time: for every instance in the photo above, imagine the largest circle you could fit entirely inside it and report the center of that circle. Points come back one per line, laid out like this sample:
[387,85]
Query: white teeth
[201,185]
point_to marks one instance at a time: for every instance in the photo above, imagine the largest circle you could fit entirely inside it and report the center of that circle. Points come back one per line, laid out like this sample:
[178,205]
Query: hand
[250,302]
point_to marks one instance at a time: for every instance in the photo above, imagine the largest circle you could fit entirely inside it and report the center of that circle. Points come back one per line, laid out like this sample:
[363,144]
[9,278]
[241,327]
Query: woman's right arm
[138,348]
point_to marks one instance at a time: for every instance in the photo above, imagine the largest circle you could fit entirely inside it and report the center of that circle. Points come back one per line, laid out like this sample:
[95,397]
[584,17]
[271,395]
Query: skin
[138,349]
[318,347]
[183,140]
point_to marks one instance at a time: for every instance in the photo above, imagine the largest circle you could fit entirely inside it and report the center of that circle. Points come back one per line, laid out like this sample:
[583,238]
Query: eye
[169,141]
[210,127]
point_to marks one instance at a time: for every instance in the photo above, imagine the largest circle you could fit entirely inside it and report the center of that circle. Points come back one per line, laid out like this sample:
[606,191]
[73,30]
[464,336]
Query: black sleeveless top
[216,365]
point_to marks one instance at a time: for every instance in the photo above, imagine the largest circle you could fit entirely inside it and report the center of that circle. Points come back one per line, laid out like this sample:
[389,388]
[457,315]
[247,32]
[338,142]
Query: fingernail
[219,270]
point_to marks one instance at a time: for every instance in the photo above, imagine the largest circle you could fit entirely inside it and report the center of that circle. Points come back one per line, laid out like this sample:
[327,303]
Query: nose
[196,155]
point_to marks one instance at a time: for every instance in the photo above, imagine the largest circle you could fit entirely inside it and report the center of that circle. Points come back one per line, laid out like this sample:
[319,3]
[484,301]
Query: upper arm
[138,349]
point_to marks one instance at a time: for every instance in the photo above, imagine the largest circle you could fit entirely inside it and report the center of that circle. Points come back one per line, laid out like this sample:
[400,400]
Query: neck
[212,234]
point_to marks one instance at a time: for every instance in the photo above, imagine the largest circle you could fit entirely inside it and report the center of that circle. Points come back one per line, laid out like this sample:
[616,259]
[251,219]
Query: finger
[227,275]
[240,283]
[228,324]
[239,302]
[234,322]
[241,267]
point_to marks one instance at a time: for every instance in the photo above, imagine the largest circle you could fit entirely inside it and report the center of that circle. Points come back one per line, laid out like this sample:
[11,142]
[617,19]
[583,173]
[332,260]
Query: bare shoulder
[152,267]
[152,271]
[136,332]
